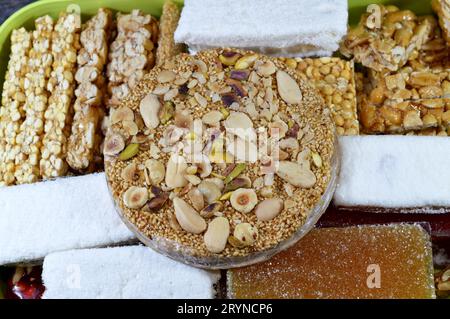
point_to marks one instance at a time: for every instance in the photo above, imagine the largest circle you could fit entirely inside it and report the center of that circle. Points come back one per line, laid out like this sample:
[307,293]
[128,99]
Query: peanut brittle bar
[385,38]
[414,98]
[442,9]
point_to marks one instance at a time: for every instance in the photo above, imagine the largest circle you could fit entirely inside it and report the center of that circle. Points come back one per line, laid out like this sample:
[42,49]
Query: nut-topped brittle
[85,139]
[215,143]
[334,79]
[385,38]
[131,54]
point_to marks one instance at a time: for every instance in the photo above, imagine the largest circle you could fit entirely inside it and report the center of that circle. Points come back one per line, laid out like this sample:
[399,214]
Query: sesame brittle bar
[168,23]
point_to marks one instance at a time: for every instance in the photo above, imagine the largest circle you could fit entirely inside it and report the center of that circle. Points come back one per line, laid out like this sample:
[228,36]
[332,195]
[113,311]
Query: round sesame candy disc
[222,159]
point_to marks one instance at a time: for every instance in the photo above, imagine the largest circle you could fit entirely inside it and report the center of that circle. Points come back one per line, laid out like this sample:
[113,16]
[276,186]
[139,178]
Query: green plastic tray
[25,17]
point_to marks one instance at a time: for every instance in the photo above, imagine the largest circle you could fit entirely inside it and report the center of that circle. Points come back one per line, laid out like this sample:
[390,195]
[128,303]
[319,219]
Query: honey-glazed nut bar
[168,23]
[432,131]
[385,38]
[413,98]
[85,139]
[182,155]
[435,52]
[131,54]
[363,262]
[12,107]
[61,86]
[442,9]
[334,79]
[31,132]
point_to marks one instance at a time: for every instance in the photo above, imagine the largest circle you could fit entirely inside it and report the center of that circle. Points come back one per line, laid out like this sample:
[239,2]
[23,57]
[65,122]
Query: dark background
[8,7]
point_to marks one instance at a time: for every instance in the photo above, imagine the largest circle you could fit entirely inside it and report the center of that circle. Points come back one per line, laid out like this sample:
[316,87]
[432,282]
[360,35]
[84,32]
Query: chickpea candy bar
[85,139]
[31,132]
[334,79]
[203,202]
[13,99]
[61,85]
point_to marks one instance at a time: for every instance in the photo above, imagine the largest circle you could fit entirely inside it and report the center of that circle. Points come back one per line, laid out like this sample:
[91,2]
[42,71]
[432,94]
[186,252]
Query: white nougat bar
[289,28]
[395,172]
[124,273]
[66,213]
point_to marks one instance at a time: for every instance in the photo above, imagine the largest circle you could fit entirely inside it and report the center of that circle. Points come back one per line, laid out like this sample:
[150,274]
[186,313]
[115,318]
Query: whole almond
[187,217]
[268,209]
[217,235]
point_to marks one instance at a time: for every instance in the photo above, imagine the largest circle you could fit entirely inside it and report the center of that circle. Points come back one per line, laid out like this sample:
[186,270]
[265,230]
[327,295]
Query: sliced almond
[187,217]
[165,76]
[129,172]
[238,120]
[288,88]
[212,118]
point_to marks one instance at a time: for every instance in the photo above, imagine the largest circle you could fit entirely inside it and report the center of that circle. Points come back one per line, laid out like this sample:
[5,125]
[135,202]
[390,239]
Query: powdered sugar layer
[394,171]
[123,273]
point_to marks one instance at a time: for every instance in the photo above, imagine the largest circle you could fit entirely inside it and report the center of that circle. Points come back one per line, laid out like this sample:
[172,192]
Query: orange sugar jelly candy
[392,261]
